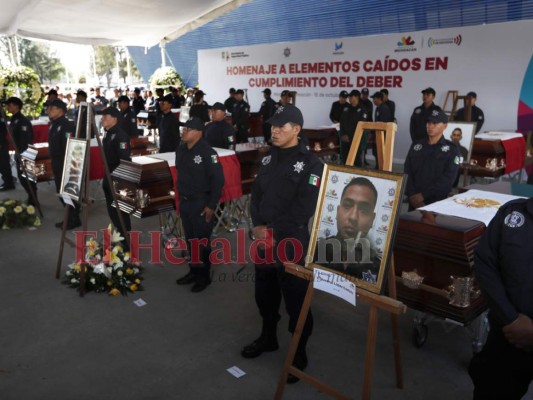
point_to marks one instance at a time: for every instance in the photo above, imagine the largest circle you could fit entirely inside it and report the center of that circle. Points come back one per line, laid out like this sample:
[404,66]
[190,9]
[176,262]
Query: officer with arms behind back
[420,115]
[284,198]
[219,133]
[200,181]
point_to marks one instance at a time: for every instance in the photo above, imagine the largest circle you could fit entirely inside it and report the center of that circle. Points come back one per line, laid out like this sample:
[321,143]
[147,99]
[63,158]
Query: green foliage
[105,59]
[24,83]
[164,77]
[16,214]
[36,55]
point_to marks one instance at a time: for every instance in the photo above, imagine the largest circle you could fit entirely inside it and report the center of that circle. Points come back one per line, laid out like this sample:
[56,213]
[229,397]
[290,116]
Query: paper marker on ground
[236,371]
[139,302]
[334,284]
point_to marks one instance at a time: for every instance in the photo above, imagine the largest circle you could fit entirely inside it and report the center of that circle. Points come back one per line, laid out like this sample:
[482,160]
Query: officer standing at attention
[389,103]
[239,116]
[169,127]
[476,114]
[417,127]
[200,181]
[219,133]
[137,102]
[383,112]
[22,131]
[338,107]
[116,145]
[349,120]
[129,120]
[230,101]
[431,164]
[367,104]
[267,110]
[5,160]
[284,197]
[502,264]
[58,133]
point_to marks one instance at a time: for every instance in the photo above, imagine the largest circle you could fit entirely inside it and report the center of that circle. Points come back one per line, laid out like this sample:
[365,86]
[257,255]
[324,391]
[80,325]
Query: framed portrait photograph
[74,168]
[355,223]
[462,134]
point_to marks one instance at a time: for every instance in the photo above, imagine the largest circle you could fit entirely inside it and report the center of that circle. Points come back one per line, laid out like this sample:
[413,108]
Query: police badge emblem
[514,220]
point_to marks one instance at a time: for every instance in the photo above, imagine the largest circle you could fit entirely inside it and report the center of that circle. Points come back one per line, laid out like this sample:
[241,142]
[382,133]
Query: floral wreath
[22,82]
[17,214]
[164,77]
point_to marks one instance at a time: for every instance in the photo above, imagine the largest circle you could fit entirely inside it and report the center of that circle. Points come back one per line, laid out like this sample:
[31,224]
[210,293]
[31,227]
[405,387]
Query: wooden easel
[385,133]
[454,94]
[84,200]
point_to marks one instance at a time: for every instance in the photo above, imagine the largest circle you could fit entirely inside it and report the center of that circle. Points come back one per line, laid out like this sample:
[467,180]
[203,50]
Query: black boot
[268,341]
[300,360]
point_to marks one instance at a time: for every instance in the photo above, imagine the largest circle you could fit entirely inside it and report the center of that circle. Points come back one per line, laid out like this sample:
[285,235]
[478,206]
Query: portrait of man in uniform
[354,223]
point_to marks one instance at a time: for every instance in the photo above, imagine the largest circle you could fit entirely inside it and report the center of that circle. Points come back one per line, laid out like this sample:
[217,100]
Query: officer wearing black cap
[59,131]
[283,200]
[338,107]
[417,126]
[116,145]
[239,116]
[349,120]
[476,113]
[228,103]
[267,110]
[285,98]
[431,164]
[22,132]
[367,104]
[128,123]
[389,103]
[383,112]
[200,181]
[51,96]
[5,160]
[81,97]
[219,133]
[200,108]
[169,127]
[138,102]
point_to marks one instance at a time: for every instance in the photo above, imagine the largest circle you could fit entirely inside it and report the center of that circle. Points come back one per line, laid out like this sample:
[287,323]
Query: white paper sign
[334,284]
[67,199]
[139,302]
[236,371]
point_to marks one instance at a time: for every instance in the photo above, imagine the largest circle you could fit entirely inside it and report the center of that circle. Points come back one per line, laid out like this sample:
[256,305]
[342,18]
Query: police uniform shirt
[169,133]
[392,107]
[116,145]
[199,172]
[417,127]
[285,191]
[230,101]
[220,134]
[502,262]
[268,108]
[350,118]
[3,132]
[383,114]
[240,114]
[58,133]
[138,105]
[369,108]
[431,169]
[22,131]
[201,111]
[337,109]
[476,116]
[129,123]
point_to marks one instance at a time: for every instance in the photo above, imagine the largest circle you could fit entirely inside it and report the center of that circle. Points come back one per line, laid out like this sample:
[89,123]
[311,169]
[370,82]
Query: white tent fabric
[116,22]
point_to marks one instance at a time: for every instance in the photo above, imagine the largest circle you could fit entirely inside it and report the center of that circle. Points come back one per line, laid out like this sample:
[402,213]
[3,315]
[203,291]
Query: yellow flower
[30,210]
[129,271]
[126,254]
[114,292]
[77,267]
[17,209]
[109,283]
[134,287]
[2,211]
[138,281]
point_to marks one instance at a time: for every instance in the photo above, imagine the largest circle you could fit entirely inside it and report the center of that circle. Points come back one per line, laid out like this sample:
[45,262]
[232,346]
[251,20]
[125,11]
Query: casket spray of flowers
[17,214]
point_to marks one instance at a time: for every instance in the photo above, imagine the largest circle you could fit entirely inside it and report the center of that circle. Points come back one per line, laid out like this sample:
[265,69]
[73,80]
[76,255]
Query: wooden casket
[143,186]
[250,156]
[141,146]
[488,159]
[429,249]
[322,141]
[37,161]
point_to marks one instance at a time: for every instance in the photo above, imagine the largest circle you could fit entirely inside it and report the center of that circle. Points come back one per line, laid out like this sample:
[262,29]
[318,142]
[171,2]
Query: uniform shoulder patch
[266,160]
[123,145]
[514,220]
[314,180]
[214,159]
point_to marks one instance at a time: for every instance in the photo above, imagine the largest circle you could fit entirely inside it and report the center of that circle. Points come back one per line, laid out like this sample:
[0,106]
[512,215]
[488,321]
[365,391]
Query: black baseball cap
[168,98]
[343,93]
[384,91]
[218,106]
[379,95]
[200,93]
[364,91]
[123,98]
[239,91]
[285,93]
[287,113]
[81,93]
[429,90]
[195,123]
[15,100]
[57,103]
[355,92]
[472,94]
[52,91]
[111,111]
[438,116]
[267,91]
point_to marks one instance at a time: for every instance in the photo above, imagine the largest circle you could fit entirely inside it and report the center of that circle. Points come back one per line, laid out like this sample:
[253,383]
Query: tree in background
[105,61]
[36,55]
[123,66]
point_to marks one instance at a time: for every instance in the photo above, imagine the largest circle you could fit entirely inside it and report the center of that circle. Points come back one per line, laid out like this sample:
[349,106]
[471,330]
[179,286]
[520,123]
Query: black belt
[192,197]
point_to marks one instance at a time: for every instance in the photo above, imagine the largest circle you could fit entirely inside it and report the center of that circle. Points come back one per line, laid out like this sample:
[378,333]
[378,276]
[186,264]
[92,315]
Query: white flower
[101,269]
[115,236]
[2,211]
[118,264]
[93,281]
[30,210]
[73,280]
[68,273]
[37,222]
[135,271]
[17,209]
[120,273]
[109,269]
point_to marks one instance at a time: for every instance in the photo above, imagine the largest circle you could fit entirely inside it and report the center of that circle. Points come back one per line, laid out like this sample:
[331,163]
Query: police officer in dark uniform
[219,133]
[367,104]
[284,197]
[383,113]
[230,101]
[58,133]
[431,164]
[128,122]
[417,127]
[116,145]
[239,116]
[5,160]
[200,108]
[22,131]
[502,264]
[159,92]
[476,113]
[169,127]
[137,103]
[389,103]
[267,110]
[200,181]
[349,120]
[338,107]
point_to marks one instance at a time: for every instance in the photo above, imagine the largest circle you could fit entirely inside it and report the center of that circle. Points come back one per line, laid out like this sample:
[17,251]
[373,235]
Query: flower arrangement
[16,214]
[108,268]
[164,77]
[23,83]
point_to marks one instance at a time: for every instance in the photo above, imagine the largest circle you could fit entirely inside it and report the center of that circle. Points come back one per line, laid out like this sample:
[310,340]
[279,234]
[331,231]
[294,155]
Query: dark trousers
[26,183]
[500,370]
[267,132]
[113,212]
[197,229]
[242,134]
[5,166]
[74,214]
